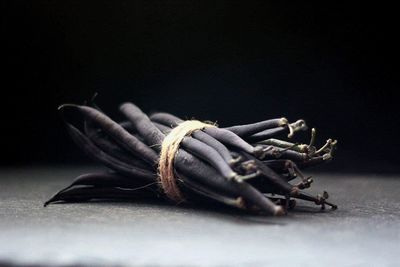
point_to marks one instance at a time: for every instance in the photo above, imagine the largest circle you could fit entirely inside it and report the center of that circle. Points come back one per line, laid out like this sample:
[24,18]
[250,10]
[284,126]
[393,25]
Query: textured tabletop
[364,231]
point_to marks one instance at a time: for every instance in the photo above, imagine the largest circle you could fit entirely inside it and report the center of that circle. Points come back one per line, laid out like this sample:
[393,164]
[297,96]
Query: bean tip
[63,106]
[283,121]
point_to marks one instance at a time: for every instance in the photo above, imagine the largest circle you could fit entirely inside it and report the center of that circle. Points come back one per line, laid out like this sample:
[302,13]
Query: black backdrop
[233,62]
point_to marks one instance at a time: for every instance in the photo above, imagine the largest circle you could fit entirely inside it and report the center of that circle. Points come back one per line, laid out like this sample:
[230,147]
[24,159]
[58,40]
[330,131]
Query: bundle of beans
[163,156]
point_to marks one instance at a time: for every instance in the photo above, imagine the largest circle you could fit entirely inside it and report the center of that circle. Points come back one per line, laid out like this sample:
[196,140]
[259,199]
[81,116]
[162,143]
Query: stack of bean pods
[243,166]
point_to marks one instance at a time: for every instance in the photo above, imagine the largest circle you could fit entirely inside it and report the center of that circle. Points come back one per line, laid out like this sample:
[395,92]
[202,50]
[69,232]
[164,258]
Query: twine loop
[169,150]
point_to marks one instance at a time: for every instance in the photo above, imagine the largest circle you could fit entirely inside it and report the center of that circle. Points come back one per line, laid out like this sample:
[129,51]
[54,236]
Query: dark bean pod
[112,148]
[250,129]
[115,131]
[92,150]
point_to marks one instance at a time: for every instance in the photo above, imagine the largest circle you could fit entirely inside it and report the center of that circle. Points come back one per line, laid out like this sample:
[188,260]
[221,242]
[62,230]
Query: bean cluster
[244,166]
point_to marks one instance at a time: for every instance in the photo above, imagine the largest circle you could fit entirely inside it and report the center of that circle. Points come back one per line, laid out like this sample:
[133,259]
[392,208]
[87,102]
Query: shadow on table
[218,211]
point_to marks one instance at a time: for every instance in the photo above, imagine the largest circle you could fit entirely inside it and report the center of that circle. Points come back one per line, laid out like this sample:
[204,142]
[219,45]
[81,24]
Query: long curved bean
[249,129]
[117,132]
[113,149]
[228,138]
[93,151]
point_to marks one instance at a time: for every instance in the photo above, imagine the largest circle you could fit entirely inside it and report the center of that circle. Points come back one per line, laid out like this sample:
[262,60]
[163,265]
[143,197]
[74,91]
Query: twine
[169,149]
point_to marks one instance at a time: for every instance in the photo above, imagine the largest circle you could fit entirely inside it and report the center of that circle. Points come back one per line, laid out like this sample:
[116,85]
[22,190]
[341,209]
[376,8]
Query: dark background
[233,62]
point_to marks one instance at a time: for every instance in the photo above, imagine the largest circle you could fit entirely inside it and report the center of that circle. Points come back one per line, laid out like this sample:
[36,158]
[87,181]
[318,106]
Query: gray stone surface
[364,231]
